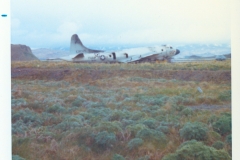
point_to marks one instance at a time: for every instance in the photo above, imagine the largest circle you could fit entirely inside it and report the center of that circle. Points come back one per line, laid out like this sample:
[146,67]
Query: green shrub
[118,157]
[179,100]
[56,108]
[134,128]
[155,107]
[117,115]
[212,119]
[169,118]
[101,112]
[18,115]
[19,127]
[223,125]
[92,88]
[151,135]
[136,115]
[86,115]
[187,112]
[172,156]
[109,126]
[195,130]
[50,118]
[159,112]
[96,105]
[135,143]
[198,151]
[225,96]
[78,101]
[29,118]
[72,109]
[105,139]
[18,102]
[146,110]
[126,122]
[67,125]
[17,157]
[36,105]
[85,134]
[218,145]
[150,123]
[70,122]
[229,139]
[158,100]
[144,158]
[179,107]
[164,129]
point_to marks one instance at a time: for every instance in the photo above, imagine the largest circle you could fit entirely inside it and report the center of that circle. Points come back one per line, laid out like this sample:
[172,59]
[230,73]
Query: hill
[22,53]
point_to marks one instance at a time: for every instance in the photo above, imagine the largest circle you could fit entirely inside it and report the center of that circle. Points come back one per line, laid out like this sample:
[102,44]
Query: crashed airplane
[80,53]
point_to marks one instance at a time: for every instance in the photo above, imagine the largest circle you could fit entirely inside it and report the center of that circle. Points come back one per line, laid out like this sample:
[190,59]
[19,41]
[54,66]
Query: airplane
[80,53]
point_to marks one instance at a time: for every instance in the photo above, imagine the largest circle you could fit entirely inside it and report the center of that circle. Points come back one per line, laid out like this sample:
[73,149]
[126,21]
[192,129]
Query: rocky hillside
[22,53]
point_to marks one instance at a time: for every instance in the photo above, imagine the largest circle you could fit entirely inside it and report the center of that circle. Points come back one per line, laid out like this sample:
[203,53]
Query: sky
[43,24]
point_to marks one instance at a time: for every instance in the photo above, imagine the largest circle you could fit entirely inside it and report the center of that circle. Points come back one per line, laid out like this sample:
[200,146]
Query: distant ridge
[227,55]
[45,53]
[22,53]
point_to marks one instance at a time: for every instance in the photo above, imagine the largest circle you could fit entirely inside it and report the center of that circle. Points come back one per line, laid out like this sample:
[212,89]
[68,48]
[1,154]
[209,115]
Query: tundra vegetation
[121,118]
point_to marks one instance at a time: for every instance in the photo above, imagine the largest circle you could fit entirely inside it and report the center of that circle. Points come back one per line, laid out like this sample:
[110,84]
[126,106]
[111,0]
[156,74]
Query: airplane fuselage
[80,53]
[127,55]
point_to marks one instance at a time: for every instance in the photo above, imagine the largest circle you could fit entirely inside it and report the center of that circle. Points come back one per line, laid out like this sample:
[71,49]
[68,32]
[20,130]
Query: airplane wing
[137,57]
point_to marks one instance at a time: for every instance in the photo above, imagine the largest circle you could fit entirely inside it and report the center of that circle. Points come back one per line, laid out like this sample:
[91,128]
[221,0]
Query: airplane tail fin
[76,46]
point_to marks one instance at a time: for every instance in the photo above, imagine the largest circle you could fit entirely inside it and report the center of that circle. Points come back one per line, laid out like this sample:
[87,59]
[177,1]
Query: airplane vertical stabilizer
[76,46]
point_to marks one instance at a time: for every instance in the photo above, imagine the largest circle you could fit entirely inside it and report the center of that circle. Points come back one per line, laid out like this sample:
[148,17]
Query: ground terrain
[88,75]
[64,110]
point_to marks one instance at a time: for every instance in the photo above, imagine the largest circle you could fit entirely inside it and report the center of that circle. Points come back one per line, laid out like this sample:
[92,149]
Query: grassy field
[121,118]
[208,65]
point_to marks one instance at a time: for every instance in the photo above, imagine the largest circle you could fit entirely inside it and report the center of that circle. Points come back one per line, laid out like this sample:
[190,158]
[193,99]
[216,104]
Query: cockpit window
[162,49]
[170,47]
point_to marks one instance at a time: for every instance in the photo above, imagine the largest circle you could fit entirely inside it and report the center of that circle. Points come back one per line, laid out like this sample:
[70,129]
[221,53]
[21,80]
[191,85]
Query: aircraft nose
[177,51]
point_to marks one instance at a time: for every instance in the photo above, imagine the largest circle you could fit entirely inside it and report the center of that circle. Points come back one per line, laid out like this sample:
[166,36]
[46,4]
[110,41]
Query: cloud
[68,27]
[64,31]
[120,22]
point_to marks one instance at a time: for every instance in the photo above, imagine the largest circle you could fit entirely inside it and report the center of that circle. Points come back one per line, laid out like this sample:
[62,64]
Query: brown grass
[208,65]
[118,89]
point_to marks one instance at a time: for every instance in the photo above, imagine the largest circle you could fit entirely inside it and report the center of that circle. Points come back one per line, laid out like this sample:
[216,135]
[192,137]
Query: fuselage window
[170,47]
[162,49]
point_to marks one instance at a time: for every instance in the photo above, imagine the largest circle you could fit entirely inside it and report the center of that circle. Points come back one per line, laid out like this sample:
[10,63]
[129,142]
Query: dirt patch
[86,75]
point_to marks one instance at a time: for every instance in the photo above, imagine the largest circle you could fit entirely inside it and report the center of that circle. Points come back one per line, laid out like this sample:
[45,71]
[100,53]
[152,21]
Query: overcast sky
[49,23]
